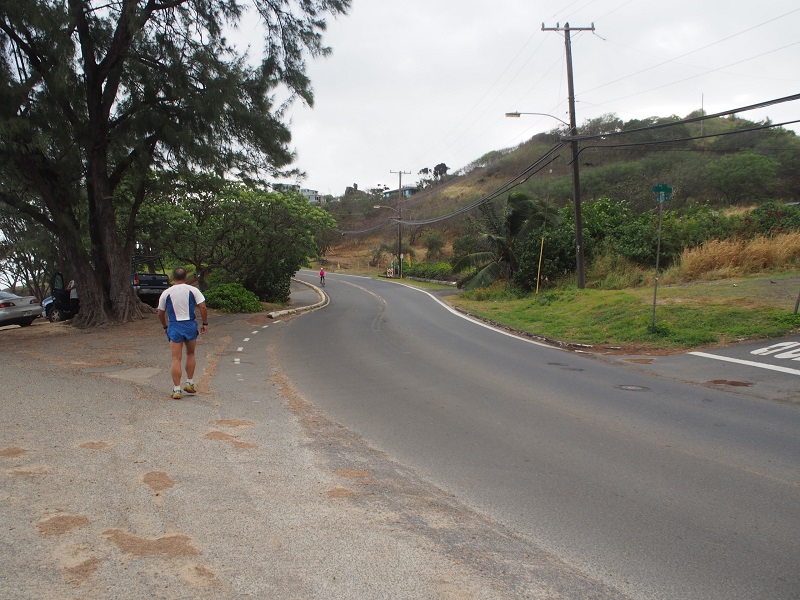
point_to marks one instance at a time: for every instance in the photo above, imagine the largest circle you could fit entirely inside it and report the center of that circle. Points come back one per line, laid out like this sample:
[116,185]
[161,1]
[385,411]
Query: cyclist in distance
[322,277]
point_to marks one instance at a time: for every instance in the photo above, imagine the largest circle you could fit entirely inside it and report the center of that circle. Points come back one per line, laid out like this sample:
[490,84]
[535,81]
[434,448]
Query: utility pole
[399,218]
[576,179]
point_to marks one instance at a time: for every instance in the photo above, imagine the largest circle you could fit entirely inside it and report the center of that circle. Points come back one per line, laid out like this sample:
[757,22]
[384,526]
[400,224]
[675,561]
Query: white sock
[176,388]
[190,381]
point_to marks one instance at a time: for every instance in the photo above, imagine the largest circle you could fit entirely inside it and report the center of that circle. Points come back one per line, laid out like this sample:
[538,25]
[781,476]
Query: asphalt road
[648,485]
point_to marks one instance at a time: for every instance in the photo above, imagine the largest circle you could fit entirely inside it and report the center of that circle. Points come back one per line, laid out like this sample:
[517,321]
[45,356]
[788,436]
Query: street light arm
[516,115]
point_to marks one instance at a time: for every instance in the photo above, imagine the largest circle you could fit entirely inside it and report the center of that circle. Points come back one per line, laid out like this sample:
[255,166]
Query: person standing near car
[176,311]
[74,303]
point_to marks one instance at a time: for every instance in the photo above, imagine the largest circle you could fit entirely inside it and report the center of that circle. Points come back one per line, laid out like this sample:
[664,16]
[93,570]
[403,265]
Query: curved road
[656,488]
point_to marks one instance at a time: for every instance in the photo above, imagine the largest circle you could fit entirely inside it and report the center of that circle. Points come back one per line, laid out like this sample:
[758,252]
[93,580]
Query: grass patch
[687,316]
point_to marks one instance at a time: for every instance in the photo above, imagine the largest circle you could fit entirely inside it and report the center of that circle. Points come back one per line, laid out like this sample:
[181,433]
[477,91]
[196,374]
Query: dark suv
[58,307]
[148,278]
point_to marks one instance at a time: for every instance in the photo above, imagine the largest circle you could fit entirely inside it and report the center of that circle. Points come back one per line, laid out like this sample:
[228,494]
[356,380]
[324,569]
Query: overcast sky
[413,83]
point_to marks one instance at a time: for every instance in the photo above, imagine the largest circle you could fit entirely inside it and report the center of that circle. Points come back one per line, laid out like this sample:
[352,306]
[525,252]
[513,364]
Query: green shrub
[434,243]
[769,218]
[440,271]
[232,298]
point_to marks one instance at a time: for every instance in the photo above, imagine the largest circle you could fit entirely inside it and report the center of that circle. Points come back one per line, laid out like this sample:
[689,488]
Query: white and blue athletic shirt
[179,301]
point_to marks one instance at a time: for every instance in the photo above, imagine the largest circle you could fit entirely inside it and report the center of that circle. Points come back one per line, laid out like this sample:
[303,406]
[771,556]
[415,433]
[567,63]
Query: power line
[690,138]
[685,121]
[510,184]
[691,52]
[738,62]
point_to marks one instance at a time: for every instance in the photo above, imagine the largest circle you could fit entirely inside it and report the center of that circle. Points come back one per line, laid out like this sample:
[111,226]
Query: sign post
[663,194]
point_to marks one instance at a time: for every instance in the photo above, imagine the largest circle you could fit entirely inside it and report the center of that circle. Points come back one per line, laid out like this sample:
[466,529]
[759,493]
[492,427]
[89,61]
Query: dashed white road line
[246,340]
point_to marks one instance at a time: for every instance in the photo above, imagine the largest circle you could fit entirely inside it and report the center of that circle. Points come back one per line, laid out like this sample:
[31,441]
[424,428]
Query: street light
[576,186]
[399,211]
[516,115]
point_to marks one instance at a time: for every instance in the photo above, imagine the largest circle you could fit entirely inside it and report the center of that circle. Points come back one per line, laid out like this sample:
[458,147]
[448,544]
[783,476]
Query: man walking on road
[178,304]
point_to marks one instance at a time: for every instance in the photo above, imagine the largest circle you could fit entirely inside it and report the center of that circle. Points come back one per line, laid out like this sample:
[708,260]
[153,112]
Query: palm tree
[521,215]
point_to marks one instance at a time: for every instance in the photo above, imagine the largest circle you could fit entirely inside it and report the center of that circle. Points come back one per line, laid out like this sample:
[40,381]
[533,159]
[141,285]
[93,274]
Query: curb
[323,301]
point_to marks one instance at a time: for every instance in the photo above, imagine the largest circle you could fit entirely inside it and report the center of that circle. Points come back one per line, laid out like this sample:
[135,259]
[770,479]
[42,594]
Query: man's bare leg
[190,360]
[177,358]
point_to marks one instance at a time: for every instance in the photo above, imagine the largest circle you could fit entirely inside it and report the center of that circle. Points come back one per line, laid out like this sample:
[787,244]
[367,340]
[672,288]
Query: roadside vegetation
[687,315]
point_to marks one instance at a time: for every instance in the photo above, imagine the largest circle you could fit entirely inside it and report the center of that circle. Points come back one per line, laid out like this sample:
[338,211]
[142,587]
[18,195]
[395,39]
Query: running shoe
[176,395]
[190,388]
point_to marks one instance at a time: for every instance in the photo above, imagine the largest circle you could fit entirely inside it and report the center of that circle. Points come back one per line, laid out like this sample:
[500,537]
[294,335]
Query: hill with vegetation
[733,180]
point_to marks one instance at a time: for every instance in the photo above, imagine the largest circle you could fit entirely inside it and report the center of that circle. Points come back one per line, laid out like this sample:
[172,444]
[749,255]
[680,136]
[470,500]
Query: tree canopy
[96,95]
[230,232]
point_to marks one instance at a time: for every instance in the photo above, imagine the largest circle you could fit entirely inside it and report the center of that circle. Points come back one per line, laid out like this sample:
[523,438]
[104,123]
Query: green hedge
[232,298]
[441,271]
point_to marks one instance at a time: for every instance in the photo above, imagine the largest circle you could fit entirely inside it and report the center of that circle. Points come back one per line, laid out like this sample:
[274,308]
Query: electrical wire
[733,64]
[691,52]
[690,138]
[510,184]
[741,109]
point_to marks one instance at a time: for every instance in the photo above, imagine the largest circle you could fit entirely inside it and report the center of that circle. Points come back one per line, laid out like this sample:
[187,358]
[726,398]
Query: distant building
[408,190]
[285,187]
[312,195]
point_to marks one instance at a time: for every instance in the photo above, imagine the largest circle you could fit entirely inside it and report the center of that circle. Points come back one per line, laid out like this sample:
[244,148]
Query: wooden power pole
[576,179]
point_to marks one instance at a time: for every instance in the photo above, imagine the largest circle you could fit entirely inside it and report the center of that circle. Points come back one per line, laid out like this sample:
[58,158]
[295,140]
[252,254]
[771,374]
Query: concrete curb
[323,302]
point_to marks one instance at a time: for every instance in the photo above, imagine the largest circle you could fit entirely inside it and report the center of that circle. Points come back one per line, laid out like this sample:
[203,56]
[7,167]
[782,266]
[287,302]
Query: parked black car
[148,278]
[58,306]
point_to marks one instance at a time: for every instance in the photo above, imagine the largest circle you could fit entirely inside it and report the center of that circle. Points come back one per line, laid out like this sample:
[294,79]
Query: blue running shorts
[182,331]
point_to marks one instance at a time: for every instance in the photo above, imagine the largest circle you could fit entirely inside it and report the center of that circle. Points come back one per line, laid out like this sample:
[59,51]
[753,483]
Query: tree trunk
[112,297]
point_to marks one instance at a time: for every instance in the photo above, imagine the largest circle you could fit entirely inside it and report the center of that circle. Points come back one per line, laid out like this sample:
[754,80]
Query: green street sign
[662,191]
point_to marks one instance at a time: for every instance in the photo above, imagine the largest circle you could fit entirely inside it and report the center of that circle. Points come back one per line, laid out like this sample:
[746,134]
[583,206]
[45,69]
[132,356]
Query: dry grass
[718,259]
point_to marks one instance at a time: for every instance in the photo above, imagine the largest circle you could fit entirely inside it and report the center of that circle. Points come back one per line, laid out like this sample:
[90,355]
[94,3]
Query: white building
[312,195]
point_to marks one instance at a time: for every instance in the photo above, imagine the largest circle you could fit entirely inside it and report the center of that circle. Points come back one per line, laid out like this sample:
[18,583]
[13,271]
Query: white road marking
[775,348]
[246,340]
[256,331]
[236,361]
[240,348]
[749,363]
[264,326]
[476,322]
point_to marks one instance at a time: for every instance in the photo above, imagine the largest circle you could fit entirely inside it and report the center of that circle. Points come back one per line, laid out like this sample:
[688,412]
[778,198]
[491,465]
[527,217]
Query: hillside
[724,162]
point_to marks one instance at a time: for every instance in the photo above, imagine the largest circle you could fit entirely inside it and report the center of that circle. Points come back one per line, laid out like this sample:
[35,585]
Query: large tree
[94,93]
